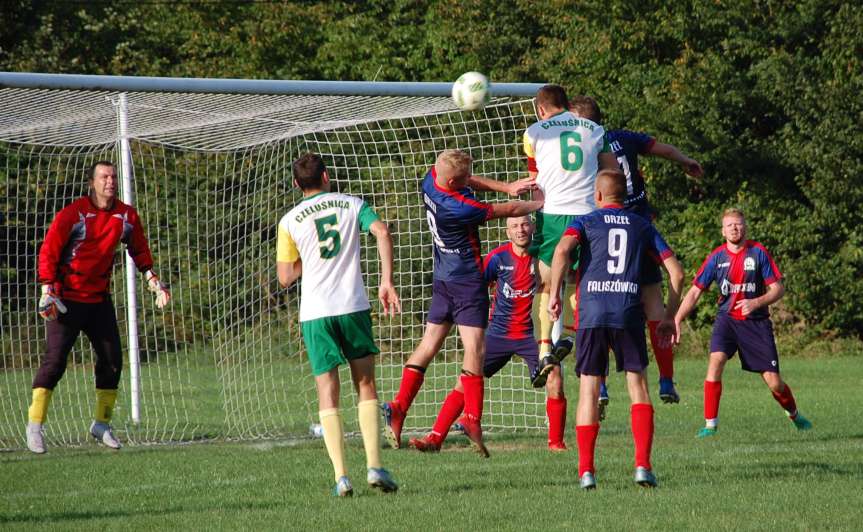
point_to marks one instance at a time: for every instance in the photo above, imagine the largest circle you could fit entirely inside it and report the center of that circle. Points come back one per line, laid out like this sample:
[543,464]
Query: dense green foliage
[766,94]
[758,474]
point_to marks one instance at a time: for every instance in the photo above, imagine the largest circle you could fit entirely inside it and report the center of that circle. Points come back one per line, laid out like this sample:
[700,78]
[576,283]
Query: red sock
[555,409]
[664,355]
[473,391]
[712,393]
[412,381]
[586,437]
[641,419]
[449,412]
[786,400]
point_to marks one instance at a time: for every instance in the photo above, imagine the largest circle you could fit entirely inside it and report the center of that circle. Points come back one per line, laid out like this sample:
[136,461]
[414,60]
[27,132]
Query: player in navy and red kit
[459,294]
[749,281]
[613,244]
[75,265]
[512,272]
[627,146]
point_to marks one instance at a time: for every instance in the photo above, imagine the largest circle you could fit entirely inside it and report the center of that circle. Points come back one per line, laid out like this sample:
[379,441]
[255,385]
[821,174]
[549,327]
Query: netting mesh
[226,360]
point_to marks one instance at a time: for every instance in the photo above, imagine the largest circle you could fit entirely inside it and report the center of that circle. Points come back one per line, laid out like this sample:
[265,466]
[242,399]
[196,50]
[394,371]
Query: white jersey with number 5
[324,232]
[566,149]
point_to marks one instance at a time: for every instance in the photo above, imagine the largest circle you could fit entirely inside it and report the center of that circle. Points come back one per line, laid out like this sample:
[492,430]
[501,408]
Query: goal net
[211,180]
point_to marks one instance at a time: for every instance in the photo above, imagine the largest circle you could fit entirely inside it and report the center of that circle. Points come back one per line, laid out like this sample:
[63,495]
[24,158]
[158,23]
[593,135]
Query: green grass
[759,473]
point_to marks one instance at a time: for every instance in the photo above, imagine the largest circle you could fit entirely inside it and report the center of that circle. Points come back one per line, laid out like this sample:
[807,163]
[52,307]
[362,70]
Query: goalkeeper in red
[613,243]
[75,265]
[319,239]
[749,282]
[459,292]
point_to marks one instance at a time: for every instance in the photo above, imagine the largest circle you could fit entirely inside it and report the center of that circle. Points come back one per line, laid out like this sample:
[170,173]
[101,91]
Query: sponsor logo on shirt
[508,268]
[510,293]
[723,265]
[734,288]
[749,264]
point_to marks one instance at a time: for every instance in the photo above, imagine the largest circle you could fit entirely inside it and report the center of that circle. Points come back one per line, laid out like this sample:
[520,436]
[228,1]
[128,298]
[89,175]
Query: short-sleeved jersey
[454,218]
[514,278]
[742,275]
[564,151]
[324,231]
[78,254]
[614,244]
[627,146]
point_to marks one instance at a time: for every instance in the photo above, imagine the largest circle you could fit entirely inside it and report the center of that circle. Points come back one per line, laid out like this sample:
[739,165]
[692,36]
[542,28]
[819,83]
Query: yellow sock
[39,407]
[334,439]
[542,324]
[105,400]
[371,430]
[570,306]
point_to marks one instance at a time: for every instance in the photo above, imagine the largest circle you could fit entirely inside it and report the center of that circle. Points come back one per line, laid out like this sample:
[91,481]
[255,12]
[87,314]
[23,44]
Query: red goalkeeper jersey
[78,253]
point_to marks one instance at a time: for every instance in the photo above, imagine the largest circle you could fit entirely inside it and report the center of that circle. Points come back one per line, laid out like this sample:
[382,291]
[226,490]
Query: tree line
[765,94]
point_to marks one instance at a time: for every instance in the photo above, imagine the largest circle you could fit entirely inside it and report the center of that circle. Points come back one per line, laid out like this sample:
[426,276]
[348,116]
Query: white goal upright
[207,165]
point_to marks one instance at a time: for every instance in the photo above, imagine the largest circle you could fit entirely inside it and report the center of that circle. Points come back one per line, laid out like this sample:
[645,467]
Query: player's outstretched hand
[517,188]
[389,299]
[668,333]
[50,304]
[155,285]
[692,168]
[554,307]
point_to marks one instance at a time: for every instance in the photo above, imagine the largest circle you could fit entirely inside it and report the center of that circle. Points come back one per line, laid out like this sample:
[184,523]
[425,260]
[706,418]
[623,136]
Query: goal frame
[124,84]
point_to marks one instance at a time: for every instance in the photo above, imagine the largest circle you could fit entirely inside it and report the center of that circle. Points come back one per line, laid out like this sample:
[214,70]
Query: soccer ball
[316,430]
[471,91]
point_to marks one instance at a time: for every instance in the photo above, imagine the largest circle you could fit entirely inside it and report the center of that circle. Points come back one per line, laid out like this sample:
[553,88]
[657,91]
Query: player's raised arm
[514,208]
[672,153]
[387,294]
[516,188]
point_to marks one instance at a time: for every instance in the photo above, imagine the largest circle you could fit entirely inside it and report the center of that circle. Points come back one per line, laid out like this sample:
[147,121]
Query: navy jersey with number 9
[614,242]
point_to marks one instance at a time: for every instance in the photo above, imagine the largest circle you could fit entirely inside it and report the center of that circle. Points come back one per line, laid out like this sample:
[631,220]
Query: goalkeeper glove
[163,296]
[50,304]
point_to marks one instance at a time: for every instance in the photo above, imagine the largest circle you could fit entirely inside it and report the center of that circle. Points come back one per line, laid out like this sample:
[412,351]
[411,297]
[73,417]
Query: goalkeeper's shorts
[334,340]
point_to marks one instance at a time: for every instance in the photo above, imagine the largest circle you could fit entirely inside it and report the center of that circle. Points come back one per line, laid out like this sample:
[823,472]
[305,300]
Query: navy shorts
[463,302]
[753,338]
[499,351]
[592,346]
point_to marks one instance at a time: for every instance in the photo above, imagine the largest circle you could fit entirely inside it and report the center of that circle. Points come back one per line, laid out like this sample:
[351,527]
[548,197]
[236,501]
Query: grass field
[759,473]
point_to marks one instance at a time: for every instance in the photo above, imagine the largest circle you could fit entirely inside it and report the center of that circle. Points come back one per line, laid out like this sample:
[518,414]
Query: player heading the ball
[319,239]
[564,153]
[459,293]
[749,282]
[613,245]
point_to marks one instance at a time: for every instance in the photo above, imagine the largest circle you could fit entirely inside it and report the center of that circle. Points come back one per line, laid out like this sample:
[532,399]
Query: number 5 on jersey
[329,236]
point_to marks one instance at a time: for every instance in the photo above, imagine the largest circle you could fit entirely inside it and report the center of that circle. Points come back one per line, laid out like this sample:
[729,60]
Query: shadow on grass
[73,516]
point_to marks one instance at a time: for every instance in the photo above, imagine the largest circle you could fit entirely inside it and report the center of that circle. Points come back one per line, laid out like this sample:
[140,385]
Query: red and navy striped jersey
[742,275]
[78,253]
[514,278]
[614,243]
[627,146]
[454,218]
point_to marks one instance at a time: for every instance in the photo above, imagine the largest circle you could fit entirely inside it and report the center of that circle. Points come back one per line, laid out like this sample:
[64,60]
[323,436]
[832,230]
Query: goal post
[211,165]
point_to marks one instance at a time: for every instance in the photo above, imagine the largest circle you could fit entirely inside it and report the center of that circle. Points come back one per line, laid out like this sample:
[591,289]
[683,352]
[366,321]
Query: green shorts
[549,229]
[334,340]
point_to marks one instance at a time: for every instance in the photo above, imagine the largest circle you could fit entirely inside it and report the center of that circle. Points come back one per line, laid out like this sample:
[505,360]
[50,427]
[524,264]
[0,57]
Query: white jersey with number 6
[324,231]
[566,149]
